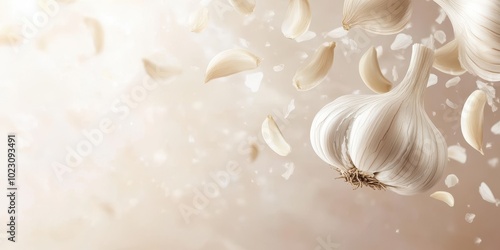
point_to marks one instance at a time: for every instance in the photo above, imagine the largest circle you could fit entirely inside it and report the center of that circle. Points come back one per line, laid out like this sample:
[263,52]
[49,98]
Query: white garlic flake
[451,180]
[444,197]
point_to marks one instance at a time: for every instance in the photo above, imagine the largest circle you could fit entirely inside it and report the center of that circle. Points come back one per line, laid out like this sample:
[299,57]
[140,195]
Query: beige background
[126,194]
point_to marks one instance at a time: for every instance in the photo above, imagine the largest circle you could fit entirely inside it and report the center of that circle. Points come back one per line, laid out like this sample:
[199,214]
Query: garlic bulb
[383,17]
[476,25]
[384,141]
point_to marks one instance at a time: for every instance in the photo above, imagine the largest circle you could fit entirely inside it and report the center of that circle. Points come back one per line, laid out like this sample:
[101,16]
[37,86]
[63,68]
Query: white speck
[451,180]
[408,26]
[457,153]
[489,145]
[190,139]
[384,71]
[442,16]
[279,67]
[402,41]
[380,51]
[469,217]
[289,108]
[395,75]
[302,55]
[493,162]
[267,44]
[440,36]
[133,202]
[244,42]
[490,93]
[487,195]
[434,113]
[290,167]
[397,231]
[252,81]
[433,79]
[453,81]
[160,156]
[477,241]
[337,33]
[305,37]
[451,104]
[496,128]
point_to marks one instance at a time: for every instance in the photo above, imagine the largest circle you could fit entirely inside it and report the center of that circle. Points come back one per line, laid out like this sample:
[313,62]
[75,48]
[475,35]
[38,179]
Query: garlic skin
[382,17]
[386,139]
[476,25]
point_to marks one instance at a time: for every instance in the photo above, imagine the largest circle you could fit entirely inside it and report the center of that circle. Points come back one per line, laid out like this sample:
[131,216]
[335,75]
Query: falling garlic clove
[487,195]
[446,59]
[97,33]
[383,17]
[230,62]
[274,138]
[444,197]
[297,19]
[384,141]
[472,120]
[245,7]
[313,72]
[451,180]
[370,73]
[476,25]
[160,72]
[198,20]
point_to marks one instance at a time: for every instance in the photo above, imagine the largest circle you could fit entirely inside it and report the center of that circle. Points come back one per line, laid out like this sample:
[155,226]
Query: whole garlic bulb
[383,17]
[384,141]
[476,25]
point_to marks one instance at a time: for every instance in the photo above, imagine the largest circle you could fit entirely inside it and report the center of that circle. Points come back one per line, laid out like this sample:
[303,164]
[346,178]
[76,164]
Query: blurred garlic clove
[297,19]
[487,195]
[384,141]
[446,59]
[160,72]
[274,138]
[198,20]
[476,25]
[230,62]
[383,17]
[444,197]
[472,120]
[451,180]
[370,73]
[97,33]
[313,72]
[245,7]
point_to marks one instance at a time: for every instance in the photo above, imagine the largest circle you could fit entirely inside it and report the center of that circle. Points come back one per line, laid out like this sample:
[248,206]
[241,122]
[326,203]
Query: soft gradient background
[126,194]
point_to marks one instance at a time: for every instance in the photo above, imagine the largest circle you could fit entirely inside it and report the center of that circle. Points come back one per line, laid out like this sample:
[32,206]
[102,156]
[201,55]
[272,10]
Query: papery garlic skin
[476,25]
[383,17]
[388,136]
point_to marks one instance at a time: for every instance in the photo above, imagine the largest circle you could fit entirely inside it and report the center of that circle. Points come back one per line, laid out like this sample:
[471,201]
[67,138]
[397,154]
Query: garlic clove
[370,73]
[383,17]
[457,153]
[476,25]
[472,120]
[274,138]
[160,72]
[446,59]
[198,20]
[245,7]
[444,197]
[313,72]
[230,62]
[297,19]
[97,33]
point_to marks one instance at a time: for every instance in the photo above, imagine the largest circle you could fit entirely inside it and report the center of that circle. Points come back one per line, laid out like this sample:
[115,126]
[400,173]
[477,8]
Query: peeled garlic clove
[312,73]
[383,17]
[273,137]
[451,180]
[198,20]
[160,72]
[297,19]
[472,120]
[446,59]
[245,7]
[97,33]
[370,73]
[487,195]
[476,25]
[444,197]
[230,62]
[384,141]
